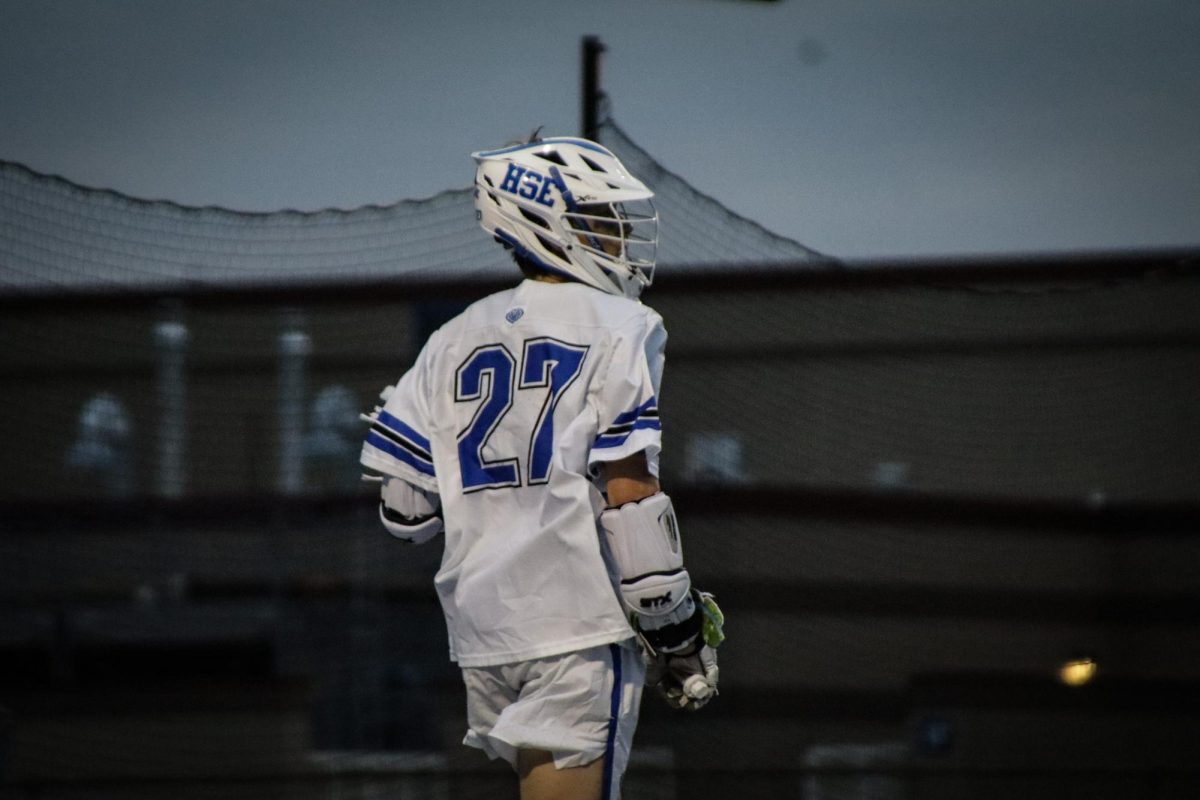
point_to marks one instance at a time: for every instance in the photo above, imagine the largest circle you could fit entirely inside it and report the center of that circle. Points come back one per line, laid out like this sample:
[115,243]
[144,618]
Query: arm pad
[644,540]
[408,513]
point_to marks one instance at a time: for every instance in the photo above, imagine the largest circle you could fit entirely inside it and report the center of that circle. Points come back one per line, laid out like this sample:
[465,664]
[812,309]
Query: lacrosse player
[528,431]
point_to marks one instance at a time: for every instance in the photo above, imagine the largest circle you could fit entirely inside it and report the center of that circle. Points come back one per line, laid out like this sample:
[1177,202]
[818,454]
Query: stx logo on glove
[655,602]
[531,185]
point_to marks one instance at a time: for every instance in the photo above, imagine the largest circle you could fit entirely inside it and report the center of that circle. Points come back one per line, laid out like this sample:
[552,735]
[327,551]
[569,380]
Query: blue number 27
[488,376]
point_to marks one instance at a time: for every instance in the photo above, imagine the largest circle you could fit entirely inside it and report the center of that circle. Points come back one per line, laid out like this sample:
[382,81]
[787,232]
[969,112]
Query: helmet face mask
[570,208]
[619,230]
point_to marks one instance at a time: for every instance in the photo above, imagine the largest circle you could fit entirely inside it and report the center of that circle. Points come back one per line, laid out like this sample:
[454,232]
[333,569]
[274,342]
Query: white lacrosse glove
[678,626]
[687,679]
[409,513]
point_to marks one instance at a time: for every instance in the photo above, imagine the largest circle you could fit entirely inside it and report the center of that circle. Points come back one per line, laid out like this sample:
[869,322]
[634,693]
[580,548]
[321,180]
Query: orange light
[1078,671]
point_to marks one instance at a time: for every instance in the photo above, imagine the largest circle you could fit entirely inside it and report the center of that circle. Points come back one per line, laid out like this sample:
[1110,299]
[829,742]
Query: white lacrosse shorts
[578,706]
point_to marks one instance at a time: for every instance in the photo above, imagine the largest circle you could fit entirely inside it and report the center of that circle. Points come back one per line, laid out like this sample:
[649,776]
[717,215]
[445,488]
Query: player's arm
[629,480]
[409,513]
[397,448]
[669,614]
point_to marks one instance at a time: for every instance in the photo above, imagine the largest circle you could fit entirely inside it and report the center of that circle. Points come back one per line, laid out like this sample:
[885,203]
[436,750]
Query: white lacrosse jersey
[505,414]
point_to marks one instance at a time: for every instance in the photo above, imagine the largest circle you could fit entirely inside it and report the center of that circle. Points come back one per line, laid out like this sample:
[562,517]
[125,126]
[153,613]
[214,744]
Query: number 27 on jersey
[490,376]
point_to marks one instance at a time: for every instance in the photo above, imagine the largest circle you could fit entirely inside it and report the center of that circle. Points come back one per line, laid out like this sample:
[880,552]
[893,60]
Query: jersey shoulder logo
[513,315]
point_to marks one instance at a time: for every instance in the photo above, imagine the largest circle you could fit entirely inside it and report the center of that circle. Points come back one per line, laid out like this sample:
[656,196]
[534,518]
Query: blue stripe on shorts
[610,754]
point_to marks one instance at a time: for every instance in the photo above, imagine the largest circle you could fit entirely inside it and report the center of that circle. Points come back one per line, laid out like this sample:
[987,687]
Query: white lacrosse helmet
[570,208]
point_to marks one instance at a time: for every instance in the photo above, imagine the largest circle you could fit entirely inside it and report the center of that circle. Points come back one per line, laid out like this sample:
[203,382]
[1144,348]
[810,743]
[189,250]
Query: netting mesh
[914,498]
[696,229]
[58,235]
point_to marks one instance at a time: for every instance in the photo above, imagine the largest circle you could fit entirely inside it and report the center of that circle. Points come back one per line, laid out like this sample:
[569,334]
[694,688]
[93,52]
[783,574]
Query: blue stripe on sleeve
[399,453]
[643,417]
[400,427]
[618,439]
[630,416]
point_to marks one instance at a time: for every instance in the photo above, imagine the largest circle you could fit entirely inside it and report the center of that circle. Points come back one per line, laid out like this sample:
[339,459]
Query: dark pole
[592,95]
